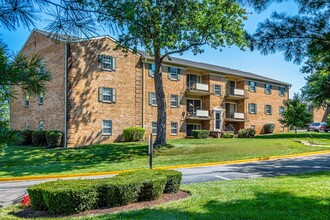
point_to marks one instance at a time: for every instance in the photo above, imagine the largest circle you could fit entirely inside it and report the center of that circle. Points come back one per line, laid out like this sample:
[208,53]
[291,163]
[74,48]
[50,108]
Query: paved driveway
[12,192]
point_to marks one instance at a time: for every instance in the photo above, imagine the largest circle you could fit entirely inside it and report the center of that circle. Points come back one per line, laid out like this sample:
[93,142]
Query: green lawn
[25,161]
[288,197]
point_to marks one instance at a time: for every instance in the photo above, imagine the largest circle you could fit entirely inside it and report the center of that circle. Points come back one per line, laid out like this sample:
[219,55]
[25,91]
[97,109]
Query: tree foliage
[296,114]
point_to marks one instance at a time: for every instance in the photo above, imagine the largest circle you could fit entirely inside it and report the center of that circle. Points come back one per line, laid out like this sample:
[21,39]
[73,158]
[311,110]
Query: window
[152,99]
[41,125]
[252,86]
[282,129]
[268,89]
[174,128]
[107,95]
[27,101]
[42,69]
[217,120]
[173,73]
[217,90]
[107,127]
[27,126]
[282,91]
[41,99]
[151,72]
[281,110]
[174,99]
[252,108]
[108,63]
[154,127]
[268,109]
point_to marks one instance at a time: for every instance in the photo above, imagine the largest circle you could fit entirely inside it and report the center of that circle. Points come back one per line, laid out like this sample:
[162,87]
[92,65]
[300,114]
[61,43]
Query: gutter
[65,91]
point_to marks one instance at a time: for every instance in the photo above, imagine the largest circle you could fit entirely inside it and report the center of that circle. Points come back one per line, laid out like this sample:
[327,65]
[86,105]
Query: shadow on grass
[19,161]
[292,135]
[275,205]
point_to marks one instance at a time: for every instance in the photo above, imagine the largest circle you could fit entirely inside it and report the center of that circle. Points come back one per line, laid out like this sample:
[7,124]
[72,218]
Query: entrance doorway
[191,127]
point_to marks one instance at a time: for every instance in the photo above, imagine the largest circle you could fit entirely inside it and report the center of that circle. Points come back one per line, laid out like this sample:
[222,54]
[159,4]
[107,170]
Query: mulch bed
[29,213]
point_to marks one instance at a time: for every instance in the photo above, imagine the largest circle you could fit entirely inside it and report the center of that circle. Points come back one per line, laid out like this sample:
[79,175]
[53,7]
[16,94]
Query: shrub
[251,132]
[200,133]
[242,133]
[133,134]
[39,138]
[26,136]
[152,188]
[26,202]
[54,138]
[73,197]
[269,128]
[227,135]
[174,179]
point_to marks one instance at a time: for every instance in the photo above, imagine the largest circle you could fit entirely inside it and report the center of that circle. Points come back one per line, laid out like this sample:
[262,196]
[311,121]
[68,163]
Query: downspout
[65,91]
[143,92]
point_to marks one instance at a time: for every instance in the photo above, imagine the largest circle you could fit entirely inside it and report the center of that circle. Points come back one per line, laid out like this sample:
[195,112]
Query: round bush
[200,133]
[242,133]
[269,128]
[39,138]
[26,136]
[227,135]
[54,138]
[133,134]
[251,132]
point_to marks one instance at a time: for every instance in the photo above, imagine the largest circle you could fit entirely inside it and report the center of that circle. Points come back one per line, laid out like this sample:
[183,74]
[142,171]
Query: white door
[218,120]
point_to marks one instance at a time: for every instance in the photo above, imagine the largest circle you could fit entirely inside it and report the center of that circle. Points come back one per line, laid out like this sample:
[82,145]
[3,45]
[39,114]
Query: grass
[27,161]
[304,196]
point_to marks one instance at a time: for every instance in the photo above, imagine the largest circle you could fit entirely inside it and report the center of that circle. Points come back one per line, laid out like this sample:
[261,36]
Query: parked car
[318,127]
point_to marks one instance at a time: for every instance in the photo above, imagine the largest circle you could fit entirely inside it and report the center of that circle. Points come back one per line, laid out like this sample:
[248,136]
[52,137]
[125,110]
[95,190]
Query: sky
[273,65]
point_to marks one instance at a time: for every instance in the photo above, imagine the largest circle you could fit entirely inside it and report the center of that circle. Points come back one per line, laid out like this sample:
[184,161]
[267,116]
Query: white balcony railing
[238,115]
[201,87]
[239,92]
[202,113]
[235,92]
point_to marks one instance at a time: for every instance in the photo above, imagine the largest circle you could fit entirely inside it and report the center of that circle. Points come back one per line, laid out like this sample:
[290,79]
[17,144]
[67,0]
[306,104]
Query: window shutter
[256,108]
[169,73]
[265,109]
[270,108]
[150,70]
[214,89]
[110,126]
[249,107]
[179,73]
[178,101]
[150,98]
[100,58]
[220,90]
[113,95]
[113,59]
[100,94]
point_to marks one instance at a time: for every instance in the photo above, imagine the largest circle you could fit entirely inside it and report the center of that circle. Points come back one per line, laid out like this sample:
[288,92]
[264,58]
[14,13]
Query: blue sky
[272,66]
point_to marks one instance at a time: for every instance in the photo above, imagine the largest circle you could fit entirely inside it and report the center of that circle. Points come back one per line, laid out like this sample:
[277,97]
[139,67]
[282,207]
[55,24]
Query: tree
[295,114]
[299,37]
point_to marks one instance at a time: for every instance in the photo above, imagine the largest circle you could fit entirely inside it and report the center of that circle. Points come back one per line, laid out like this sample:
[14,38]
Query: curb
[164,167]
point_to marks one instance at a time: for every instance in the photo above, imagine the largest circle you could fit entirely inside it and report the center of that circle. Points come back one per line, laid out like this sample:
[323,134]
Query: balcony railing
[199,114]
[198,88]
[236,93]
[236,116]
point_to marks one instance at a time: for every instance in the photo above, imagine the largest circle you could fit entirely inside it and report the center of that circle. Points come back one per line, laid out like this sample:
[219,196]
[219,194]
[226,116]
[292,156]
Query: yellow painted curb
[164,167]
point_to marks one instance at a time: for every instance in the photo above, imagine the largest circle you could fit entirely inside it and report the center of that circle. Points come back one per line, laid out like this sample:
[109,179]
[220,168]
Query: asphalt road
[12,192]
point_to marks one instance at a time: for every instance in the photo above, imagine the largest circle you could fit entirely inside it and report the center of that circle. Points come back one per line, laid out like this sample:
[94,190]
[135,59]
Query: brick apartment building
[96,92]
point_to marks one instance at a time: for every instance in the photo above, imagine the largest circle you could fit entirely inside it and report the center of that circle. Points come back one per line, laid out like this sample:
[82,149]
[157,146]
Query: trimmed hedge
[269,128]
[227,135]
[39,138]
[198,134]
[26,136]
[246,133]
[133,134]
[72,196]
[251,132]
[54,138]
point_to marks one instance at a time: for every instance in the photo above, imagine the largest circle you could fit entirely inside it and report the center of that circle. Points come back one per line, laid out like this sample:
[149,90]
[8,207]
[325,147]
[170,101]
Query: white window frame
[106,127]
[218,111]
[270,108]
[108,62]
[174,99]
[175,74]
[255,108]
[217,91]
[27,125]
[41,125]
[175,124]
[279,91]
[254,87]
[41,99]
[253,127]
[153,101]
[154,128]
[268,91]
[280,112]
[107,92]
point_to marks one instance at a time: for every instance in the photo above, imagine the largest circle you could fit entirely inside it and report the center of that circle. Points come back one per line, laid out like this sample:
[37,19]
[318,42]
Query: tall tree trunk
[161,102]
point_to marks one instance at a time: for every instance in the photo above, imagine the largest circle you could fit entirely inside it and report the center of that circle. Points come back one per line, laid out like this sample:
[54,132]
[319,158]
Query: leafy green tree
[296,114]
[328,120]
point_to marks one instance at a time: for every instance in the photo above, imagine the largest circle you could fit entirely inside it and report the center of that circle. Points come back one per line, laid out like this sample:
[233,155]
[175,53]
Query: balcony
[235,93]
[198,89]
[199,115]
[236,116]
